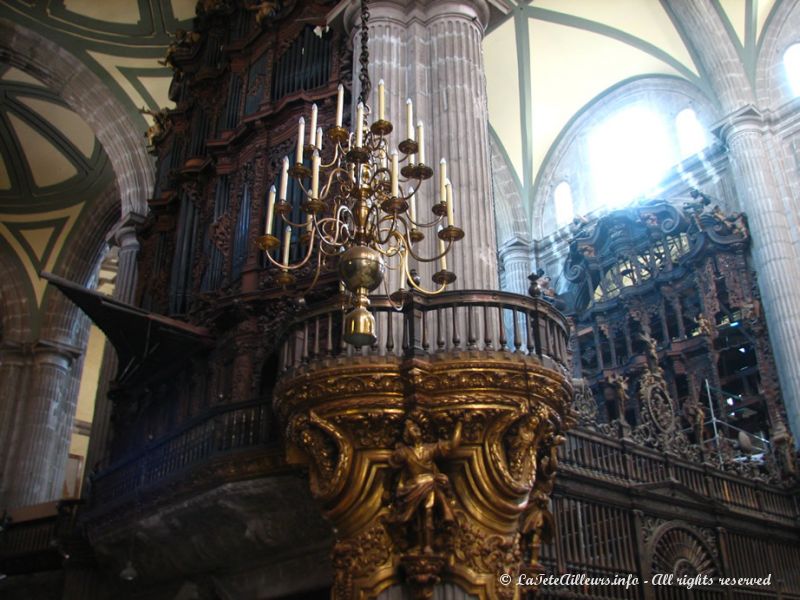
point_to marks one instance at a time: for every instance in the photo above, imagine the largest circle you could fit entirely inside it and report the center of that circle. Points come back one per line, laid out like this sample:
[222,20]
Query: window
[691,135]
[562,198]
[791,62]
[629,153]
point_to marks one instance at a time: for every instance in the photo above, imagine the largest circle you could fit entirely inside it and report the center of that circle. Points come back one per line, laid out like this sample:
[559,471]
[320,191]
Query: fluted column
[41,448]
[431,52]
[515,256]
[459,123]
[773,253]
[124,236]
[15,364]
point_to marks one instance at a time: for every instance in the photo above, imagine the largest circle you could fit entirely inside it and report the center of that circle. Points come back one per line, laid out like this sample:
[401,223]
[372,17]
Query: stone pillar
[15,364]
[431,52]
[124,236]
[773,253]
[40,452]
[515,256]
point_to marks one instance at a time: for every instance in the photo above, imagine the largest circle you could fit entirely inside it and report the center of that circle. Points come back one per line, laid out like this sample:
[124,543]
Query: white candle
[409,119]
[442,180]
[359,124]
[312,131]
[319,139]
[421,143]
[395,187]
[449,196]
[287,242]
[284,179]
[309,221]
[315,175]
[301,133]
[412,210]
[270,210]
[443,258]
[381,101]
[339,104]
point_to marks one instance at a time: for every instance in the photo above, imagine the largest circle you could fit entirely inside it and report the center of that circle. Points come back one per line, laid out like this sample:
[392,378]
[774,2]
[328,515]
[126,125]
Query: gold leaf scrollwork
[330,452]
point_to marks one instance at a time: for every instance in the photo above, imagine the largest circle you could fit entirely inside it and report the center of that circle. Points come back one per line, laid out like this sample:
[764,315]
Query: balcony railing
[630,464]
[449,322]
[219,432]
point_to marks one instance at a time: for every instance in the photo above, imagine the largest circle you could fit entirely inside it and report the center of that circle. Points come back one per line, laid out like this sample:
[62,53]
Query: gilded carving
[422,488]
[428,470]
[330,452]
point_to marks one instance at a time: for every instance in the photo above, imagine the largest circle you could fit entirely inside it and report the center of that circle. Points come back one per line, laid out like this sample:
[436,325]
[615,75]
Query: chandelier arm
[317,273]
[337,151]
[390,231]
[339,227]
[430,224]
[292,223]
[418,287]
[327,187]
[437,257]
[302,263]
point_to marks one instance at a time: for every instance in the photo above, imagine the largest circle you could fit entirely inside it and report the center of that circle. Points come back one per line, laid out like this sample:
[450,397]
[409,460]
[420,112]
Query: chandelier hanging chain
[363,59]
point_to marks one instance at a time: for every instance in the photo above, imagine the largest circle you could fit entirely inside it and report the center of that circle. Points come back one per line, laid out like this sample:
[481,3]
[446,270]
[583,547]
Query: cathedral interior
[511,317]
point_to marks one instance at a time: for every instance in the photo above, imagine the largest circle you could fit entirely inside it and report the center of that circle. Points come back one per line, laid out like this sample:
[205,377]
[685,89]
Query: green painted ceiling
[52,168]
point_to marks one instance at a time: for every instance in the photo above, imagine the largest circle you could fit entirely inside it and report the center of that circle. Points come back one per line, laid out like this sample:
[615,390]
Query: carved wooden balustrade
[209,443]
[450,322]
[597,456]
[434,449]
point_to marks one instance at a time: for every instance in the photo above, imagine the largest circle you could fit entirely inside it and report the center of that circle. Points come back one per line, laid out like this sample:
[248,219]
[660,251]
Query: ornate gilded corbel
[329,451]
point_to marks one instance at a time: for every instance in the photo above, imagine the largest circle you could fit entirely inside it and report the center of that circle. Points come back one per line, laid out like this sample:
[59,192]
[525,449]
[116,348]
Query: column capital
[124,231]
[746,119]
[406,12]
[516,248]
[56,354]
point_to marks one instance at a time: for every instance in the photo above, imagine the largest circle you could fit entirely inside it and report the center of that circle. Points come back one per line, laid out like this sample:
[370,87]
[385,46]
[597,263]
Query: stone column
[431,52]
[515,256]
[124,236]
[773,253]
[41,450]
[15,364]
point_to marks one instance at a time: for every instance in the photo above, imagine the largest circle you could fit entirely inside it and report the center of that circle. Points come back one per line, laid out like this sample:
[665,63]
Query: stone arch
[511,218]
[86,94]
[566,157]
[15,327]
[718,59]
[63,321]
[782,30]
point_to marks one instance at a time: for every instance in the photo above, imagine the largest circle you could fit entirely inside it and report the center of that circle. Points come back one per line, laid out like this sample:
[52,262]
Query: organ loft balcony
[429,455]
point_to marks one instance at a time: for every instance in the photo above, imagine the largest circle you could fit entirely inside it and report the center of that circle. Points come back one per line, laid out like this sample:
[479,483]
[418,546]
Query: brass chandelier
[356,208]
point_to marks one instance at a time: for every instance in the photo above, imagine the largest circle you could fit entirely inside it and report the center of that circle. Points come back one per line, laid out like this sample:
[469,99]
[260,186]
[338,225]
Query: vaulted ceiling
[52,168]
[550,60]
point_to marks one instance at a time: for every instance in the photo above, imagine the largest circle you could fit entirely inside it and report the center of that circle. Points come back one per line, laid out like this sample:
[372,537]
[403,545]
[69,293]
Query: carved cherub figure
[704,325]
[422,486]
[159,127]
[263,10]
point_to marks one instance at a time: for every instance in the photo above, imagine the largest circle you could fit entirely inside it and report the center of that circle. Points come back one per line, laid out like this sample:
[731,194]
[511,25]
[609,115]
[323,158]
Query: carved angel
[422,486]
[263,10]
